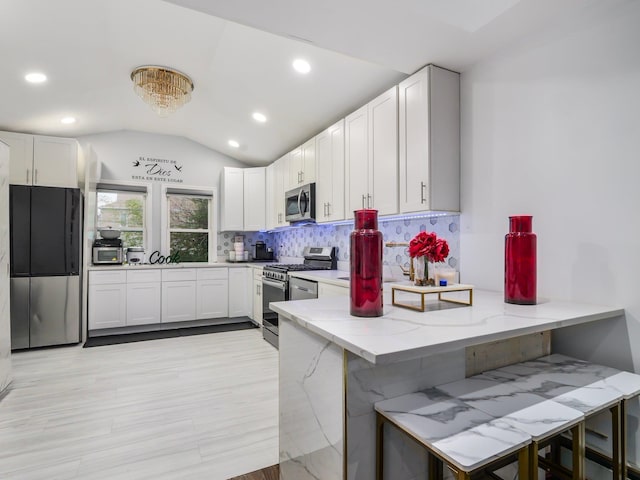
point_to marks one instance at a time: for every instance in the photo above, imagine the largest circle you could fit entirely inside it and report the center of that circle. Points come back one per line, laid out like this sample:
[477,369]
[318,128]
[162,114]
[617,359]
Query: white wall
[551,128]
[116,152]
[5,318]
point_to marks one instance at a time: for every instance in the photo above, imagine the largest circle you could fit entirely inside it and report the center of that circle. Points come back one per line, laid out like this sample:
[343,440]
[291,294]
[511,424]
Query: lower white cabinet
[143,303]
[212,293]
[257,295]
[178,301]
[107,306]
[240,298]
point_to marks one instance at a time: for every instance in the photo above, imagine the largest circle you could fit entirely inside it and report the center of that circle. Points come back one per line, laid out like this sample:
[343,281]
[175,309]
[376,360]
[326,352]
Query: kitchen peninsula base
[334,367]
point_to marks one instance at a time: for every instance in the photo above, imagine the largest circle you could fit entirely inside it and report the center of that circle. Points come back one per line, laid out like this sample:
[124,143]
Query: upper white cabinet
[371,156]
[243,193]
[429,127]
[232,195]
[40,160]
[277,177]
[302,164]
[254,199]
[330,178]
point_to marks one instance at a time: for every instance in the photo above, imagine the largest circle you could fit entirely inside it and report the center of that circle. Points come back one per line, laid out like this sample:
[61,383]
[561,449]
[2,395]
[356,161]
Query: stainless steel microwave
[300,204]
[107,256]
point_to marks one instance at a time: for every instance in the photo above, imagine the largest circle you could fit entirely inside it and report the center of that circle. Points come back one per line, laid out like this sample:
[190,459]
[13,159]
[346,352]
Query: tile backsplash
[290,243]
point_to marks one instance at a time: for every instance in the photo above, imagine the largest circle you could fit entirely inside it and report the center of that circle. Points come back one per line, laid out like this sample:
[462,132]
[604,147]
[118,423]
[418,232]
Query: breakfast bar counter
[334,367]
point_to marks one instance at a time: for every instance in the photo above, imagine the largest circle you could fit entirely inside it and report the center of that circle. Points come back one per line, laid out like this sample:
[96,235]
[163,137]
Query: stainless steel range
[276,285]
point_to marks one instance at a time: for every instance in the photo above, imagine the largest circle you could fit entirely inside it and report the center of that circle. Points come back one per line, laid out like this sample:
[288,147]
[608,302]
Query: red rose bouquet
[432,249]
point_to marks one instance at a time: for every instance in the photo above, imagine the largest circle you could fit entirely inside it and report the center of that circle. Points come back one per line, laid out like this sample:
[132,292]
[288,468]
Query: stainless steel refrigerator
[45,231]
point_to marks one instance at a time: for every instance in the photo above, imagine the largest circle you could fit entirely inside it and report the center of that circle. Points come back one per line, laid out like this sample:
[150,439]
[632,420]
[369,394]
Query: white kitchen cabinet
[240,298]
[271,215]
[330,290]
[257,295]
[107,305]
[429,149]
[281,174]
[232,198]
[330,178]
[143,303]
[302,164]
[371,156]
[40,160]
[254,199]
[178,301]
[212,293]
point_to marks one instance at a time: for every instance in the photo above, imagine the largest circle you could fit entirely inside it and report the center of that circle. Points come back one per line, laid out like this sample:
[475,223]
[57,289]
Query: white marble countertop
[402,334]
[178,265]
[333,277]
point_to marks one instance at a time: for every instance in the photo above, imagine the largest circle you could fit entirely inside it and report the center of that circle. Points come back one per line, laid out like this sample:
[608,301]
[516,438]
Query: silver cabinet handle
[302,176]
[27,175]
[363,197]
[328,209]
[258,288]
[422,197]
[369,201]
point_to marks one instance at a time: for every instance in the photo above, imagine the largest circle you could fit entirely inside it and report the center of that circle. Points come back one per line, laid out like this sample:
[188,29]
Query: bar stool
[453,433]
[540,418]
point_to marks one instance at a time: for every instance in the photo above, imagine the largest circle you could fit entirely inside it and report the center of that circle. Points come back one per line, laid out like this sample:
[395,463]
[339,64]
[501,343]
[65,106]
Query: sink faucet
[405,271]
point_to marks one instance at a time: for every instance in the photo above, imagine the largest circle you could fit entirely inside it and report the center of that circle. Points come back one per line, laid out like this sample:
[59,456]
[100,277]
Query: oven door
[272,291]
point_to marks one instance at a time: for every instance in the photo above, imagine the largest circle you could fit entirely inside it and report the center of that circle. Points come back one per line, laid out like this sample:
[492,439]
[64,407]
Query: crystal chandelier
[164,89]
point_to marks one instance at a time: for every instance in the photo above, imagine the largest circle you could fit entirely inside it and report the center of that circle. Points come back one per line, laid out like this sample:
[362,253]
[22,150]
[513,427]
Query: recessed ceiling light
[301,66]
[68,120]
[35,77]
[259,117]
[234,144]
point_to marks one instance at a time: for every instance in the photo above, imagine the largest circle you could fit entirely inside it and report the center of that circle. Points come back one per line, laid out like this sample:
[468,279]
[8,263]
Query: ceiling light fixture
[164,89]
[35,77]
[68,120]
[301,66]
[234,144]
[259,117]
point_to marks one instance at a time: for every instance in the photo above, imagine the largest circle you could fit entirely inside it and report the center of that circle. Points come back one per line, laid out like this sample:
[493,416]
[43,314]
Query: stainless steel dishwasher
[301,289]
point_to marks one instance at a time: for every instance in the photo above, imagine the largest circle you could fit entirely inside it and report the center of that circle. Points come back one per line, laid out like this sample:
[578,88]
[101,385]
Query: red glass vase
[366,265]
[520,281]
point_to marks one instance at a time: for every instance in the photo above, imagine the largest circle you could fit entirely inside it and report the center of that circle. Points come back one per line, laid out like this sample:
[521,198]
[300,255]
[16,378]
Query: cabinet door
[308,162]
[20,157]
[55,162]
[254,199]
[107,306]
[232,208]
[240,300]
[270,196]
[414,142]
[178,301]
[212,299]
[295,168]
[257,301]
[282,178]
[356,160]
[143,303]
[329,290]
[330,178]
[383,153]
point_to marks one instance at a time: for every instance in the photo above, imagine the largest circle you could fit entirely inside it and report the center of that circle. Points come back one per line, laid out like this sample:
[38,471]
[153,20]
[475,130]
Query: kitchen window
[189,222]
[124,211]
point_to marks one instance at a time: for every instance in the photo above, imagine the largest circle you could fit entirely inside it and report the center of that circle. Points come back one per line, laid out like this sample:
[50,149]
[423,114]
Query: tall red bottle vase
[366,265]
[520,282]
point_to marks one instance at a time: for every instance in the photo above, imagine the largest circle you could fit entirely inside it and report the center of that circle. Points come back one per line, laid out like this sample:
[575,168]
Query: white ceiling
[357,48]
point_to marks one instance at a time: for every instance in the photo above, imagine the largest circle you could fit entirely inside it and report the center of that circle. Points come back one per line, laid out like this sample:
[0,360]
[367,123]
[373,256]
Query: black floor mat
[178,332]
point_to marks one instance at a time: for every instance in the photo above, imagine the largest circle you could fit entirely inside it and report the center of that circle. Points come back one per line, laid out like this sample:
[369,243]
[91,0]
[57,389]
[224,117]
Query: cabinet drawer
[257,273]
[178,274]
[107,278]
[144,276]
[213,273]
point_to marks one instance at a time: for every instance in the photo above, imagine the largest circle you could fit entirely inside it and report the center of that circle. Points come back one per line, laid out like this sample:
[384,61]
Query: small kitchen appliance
[262,252]
[107,251]
[135,255]
[300,204]
[276,284]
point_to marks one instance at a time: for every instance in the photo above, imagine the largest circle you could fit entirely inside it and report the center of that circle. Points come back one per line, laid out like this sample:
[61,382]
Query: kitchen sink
[342,278]
[384,280]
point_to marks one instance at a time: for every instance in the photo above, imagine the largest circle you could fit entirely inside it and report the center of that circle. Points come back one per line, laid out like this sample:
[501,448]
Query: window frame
[196,192]
[131,190]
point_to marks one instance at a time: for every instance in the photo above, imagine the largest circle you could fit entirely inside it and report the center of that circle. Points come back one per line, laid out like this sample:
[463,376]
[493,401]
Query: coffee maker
[262,252]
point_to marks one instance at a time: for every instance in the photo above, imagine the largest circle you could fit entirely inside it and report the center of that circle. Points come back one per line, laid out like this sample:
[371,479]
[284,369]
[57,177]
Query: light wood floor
[201,407]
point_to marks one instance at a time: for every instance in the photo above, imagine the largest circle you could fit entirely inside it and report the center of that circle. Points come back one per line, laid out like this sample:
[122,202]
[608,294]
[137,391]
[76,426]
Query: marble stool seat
[541,418]
[465,438]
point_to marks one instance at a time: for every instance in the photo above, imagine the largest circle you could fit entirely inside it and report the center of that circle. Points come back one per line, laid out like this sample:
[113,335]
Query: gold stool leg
[523,464]
[623,439]
[435,468]
[533,460]
[379,445]
[616,430]
[578,448]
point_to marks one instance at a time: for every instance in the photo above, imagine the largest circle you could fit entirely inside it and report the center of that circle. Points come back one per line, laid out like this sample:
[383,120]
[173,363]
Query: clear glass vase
[424,272]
